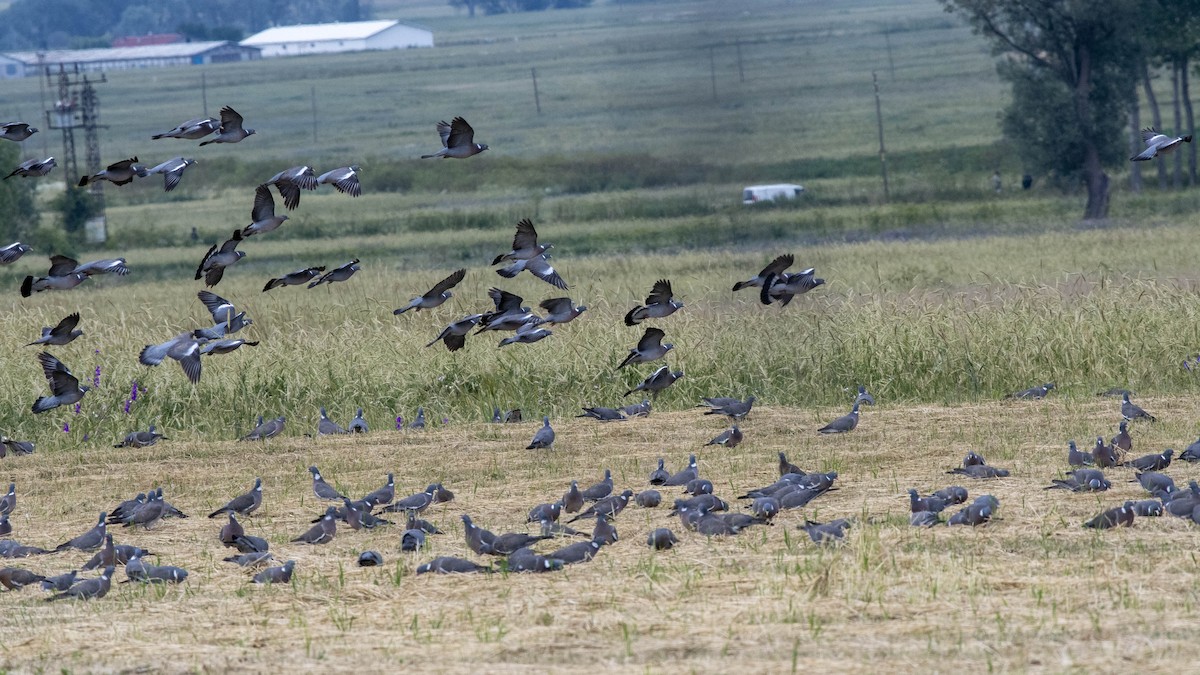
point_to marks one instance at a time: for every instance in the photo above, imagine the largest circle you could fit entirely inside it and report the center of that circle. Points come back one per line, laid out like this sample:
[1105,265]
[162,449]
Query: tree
[1072,67]
[18,212]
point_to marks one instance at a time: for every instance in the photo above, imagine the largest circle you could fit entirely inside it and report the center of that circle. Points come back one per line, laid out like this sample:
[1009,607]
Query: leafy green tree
[1072,66]
[18,211]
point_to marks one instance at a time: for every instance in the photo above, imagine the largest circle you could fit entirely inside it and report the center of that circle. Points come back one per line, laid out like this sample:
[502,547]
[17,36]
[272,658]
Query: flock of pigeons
[599,504]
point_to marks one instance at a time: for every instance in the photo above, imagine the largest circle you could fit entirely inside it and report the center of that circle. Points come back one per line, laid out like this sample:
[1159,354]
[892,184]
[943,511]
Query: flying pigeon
[13,252]
[212,266]
[231,130]
[773,269]
[458,140]
[435,296]
[289,182]
[1131,411]
[16,131]
[660,303]
[88,588]
[539,266]
[544,438]
[226,346]
[297,278]
[191,130]
[262,215]
[338,274]
[344,179]
[184,348]
[172,171]
[525,244]
[657,382]
[561,310]
[649,348]
[244,504]
[32,168]
[226,318]
[118,173]
[61,277]
[63,333]
[14,446]
[527,333]
[787,286]
[843,424]
[454,336]
[64,387]
[1157,144]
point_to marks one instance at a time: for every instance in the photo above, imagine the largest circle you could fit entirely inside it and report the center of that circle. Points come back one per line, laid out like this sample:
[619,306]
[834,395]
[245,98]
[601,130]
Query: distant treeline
[67,24]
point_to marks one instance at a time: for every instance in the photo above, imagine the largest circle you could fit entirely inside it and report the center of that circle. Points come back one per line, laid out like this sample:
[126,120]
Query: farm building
[25,64]
[325,38]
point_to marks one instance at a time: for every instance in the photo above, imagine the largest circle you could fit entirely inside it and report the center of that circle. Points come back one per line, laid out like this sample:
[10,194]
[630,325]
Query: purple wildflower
[399,422]
[66,428]
[133,394]
[96,377]
[445,421]
[78,406]
[127,402]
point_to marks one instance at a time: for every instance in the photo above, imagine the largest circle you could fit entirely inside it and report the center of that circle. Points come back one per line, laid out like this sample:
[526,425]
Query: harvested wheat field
[1032,589]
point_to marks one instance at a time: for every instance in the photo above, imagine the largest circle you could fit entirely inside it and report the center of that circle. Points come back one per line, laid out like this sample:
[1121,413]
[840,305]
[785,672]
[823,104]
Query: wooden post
[887,41]
[204,94]
[879,122]
[537,99]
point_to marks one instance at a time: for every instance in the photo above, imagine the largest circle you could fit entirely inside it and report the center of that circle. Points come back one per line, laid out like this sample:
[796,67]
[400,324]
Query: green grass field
[941,301]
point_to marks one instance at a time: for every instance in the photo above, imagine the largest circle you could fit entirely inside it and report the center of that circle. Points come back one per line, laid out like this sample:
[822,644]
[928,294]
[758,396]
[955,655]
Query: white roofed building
[326,38]
[26,64]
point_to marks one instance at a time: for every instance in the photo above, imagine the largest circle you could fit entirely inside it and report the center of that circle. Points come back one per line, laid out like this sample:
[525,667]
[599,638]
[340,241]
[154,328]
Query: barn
[25,64]
[326,38]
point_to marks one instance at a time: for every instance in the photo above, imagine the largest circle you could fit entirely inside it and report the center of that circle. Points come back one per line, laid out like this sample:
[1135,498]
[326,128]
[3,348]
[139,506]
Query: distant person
[996,184]
[1026,182]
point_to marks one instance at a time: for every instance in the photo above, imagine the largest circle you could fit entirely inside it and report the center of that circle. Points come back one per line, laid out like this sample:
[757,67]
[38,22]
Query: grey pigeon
[90,540]
[660,474]
[786,467]
[13,252]
[765,508]
[458,140]
[415,523]
[231,129]
[147,513]
[382,495]
[276,575]
[599,490]
[88,588]
[525,244]
[513,416]
[539,266]
[638,409]
[435,296]
[1154,482]
[1115,392]
[659,304]
[321,533]
[578,552]
[479,540]
[32,168]
[415,503]
[338,274]
[661,539]
[686,475]
[561,310]
[1123,441]
[61,277]
[419,421]
[698,486]
[297,278]
[1121,516]
[525,560]
[657,382]
[544,512]
[978,512]
[370,559]
[773,269]
[604,531]
[1103,455]
[327,427]
[61,582]
[864,396]
[730,438]
[117,173]
[1157,144]
[449,565]
[13,549]
[980,471]
[172,171]
[264,430]
[225,346]
[607,507]
[649,348]
[736,410]
[843,424]
[924,519]
[1082,480]
[1156,462]
[212,266]
[648,499]
[64,387]
[527,333]
[454,336]
[544,438]
[344,179]
[140,439]
[15,578]
[786,286]
[572,499]
[291,181]
[263,218]
[16,131]
[1147,508]
[322,489]
[225,316]
[1191,453]
[1037,392]
[113,555]
[193,129]
[826,533]
[14,446]
[603,414]
[184,348]
[951,495]
[244,504]
[116,266]
[62,333]
[1075,457]
[1132,411]
[358,425]
[917,503]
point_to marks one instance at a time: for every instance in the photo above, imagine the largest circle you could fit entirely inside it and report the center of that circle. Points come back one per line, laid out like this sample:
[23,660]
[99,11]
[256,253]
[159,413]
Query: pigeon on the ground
[264,430]
[262,216]
[382,495]
[276,575]
[1157,144]
[638,409]
[603,414]
[244,504]
[843,424]
[561,310]
[88,588]
[231,129]
[730,438]
[117,173]
[194,129]
[734,410]
[344,179]
[322,489]
[61,582]
[1037,392]
[826,533]
[327,427]
[62,333]
[1132,411]
[608,507]
[659,304]
[458,140]
[450,565]
[419,421]
[698,486]
[90,540]
[1082,480]
[1122,442]
[1077,458]
[1103,455]
[599,490]
[685,475]
[657,382]
[291,181]
[978,512]
[15,578]
[661,539]
[1191,453]
[1121,516]
[321,533]
[980,471]
[32,168]
[660,474]
[297,278]
[864,396]
[544,438]
[773,269]
[648,499]
[140,439]
[415,503]
[338,274]
[1156,462]
[16,131]
[786,467]
[435,296]
[212,266]
[370,559]
[358,425]
[172,171]
[572,499]
[64,387]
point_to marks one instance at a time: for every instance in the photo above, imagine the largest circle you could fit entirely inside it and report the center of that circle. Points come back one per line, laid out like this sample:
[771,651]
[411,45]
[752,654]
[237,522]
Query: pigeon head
[479,147]
[315,473]
[249,132]
[668,346]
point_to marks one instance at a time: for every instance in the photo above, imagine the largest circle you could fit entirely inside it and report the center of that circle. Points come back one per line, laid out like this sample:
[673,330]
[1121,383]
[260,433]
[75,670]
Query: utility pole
[78,107]
[537,100]
[879,122]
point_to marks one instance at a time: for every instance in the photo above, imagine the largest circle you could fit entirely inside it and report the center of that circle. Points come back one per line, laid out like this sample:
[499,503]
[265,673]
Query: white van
[767,193]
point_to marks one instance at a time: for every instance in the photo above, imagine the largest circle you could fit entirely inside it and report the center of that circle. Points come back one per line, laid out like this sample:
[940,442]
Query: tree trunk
[1191,121]
[1093,169]
[1177,175]
[1135,145]
[1156,119]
